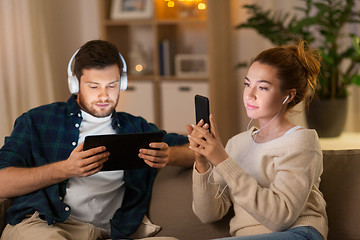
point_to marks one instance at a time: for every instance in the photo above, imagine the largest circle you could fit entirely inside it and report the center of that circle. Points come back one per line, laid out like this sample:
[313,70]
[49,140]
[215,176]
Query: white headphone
[74,83]
[287,98]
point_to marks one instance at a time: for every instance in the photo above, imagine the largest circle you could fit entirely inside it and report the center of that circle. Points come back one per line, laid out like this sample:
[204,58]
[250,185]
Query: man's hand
[158,156]
[85,163]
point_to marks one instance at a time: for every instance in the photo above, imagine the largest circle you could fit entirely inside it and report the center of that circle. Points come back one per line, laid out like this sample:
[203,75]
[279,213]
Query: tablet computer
[124,148]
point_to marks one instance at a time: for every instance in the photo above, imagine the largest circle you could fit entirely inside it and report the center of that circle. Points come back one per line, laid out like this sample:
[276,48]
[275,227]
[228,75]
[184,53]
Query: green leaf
[321,23]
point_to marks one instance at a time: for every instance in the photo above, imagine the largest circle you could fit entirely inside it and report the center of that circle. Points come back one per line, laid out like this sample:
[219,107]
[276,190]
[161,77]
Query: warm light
[171,4]
[189,3]
[139,68]
[201,6]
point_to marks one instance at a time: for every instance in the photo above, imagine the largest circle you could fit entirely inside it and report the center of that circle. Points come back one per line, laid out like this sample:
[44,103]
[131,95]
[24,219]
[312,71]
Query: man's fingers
[159,145]
[155,164]
[100,157]
[93,164]
[93,151]
[79,147]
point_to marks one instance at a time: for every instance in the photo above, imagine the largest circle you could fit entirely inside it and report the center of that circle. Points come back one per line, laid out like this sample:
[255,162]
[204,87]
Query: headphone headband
[74,83]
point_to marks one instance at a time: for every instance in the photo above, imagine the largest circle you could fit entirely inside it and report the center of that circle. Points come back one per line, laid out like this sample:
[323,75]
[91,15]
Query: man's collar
[72,106]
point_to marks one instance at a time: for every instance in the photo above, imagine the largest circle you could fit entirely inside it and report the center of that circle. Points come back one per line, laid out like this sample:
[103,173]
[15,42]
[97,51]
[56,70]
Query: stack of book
[166,58]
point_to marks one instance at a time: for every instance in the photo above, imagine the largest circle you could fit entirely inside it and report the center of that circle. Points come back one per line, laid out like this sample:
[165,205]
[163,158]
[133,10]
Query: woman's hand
[202,164]
[208,144]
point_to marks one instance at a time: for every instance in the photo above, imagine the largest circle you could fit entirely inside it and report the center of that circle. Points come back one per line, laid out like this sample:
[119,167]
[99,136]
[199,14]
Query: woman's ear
[292,94]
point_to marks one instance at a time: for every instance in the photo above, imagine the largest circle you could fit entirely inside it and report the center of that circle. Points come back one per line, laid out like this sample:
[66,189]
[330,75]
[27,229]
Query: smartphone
[202,109]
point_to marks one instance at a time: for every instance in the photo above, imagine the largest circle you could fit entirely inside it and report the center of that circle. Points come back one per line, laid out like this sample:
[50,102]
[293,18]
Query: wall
[69,24]
[248,43]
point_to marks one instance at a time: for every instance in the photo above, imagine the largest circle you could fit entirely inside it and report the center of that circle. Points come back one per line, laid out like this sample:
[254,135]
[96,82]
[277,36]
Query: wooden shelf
[180,21]
[208,33]
[129,22]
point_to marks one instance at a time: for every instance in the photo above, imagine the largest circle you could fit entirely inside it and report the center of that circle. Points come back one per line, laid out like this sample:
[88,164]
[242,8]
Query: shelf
[179,32]
[149,22]
[129,22]
[141,77]
[180,21]
[174,78]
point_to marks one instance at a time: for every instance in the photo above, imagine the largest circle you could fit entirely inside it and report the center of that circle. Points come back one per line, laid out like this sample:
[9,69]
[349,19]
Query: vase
[327,117]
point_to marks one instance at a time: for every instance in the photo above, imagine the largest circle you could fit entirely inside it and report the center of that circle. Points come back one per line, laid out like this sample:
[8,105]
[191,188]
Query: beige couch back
[340,185]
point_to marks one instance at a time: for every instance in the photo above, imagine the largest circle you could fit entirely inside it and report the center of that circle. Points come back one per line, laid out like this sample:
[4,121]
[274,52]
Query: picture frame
[131,9]
[191,65]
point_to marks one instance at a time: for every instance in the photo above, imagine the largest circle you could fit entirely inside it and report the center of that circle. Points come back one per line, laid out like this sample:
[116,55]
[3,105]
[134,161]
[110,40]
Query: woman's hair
[96,54]
[297,68]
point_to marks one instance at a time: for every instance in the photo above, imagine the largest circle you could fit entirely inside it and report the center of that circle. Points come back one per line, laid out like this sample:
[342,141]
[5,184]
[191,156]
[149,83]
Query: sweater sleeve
[208,205]
[297,170]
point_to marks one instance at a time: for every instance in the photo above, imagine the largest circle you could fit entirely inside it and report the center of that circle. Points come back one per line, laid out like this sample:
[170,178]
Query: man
[57,188]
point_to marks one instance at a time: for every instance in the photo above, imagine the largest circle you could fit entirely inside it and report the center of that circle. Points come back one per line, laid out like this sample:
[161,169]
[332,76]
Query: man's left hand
[158,156]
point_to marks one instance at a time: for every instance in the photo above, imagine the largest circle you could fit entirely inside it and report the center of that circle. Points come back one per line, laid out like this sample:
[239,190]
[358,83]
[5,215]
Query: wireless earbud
[287,98]
[73,82]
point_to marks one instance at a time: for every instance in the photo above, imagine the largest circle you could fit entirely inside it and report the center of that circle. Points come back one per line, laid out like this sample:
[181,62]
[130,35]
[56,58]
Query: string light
[171,4]
[200,6]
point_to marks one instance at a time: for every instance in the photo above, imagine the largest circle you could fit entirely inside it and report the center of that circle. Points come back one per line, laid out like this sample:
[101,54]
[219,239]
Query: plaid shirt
[48,134]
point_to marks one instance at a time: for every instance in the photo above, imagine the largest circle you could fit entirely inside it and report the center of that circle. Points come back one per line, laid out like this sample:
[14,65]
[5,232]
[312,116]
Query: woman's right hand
[201,163]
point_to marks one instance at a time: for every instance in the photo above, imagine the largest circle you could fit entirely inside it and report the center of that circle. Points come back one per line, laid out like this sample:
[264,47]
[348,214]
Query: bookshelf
[208,33]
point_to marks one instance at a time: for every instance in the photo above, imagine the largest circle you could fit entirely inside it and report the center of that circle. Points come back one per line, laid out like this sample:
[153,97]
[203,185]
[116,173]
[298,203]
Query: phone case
[202,109]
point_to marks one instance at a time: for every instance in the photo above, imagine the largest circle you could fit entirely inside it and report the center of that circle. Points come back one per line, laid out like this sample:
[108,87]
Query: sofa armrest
[4,205]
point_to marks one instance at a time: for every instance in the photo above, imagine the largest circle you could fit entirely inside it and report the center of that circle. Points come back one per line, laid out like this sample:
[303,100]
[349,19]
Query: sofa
[170,205]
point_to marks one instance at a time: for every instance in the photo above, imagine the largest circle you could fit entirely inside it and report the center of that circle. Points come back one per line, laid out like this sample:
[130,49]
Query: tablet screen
[124,148]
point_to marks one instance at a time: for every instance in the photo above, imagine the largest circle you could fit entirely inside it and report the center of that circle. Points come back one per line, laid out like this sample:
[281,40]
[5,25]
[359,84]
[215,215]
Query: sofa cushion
[170,208]
[340,185]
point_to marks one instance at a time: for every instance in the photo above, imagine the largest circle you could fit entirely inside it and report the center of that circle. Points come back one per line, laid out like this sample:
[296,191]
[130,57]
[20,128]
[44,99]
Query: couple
[270,175]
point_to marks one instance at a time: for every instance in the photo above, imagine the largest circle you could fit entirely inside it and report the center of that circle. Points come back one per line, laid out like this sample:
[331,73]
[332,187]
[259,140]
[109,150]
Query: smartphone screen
[202,109]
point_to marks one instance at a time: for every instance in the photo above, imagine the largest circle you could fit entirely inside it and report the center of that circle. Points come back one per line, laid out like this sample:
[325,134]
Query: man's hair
[96,54]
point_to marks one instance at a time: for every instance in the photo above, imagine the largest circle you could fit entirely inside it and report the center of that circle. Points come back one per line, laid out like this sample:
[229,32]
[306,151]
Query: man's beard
[91,110]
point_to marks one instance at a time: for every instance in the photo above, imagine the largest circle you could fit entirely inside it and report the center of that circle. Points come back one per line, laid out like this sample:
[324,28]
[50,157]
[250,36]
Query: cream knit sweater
[273,186]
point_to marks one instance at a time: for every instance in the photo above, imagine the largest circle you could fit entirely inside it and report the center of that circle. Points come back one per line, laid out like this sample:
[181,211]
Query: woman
[270,174]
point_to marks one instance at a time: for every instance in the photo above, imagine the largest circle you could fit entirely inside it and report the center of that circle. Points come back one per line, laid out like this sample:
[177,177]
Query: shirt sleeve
[210,199]
[16,149]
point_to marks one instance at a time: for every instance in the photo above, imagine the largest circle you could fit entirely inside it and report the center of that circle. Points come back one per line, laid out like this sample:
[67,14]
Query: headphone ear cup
[73,84]
[123,81]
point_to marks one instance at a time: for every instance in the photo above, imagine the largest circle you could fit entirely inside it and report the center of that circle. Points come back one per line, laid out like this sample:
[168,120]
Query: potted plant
[322,24]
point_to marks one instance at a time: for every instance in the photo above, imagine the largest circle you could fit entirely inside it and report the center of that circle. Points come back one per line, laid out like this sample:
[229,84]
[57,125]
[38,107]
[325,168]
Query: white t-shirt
[95,199]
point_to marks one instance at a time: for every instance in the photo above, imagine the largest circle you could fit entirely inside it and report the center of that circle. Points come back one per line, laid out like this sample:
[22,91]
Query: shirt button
[77,125]
[67,209]
[60,198]
[71,114]
[79,115]
[73,143]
